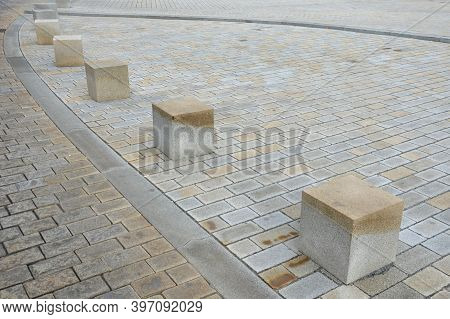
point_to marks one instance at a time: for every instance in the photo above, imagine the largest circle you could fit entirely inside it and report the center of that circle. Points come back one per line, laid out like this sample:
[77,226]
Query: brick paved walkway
[65,231]
[374,106]
[397,15]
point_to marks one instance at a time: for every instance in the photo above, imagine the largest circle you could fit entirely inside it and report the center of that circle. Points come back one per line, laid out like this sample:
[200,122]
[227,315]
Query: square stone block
[46,30]
[45,14]
[68,50]
[45,6]
[350,227]
[183,128]
[107,79]
[63,3]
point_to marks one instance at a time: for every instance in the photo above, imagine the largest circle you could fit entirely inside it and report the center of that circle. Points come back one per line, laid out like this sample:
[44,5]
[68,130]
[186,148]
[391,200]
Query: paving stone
[272,220]
[270,205]
[411,238]
[14,276]
[239,201]
[74,216]
[91,268]
[126,275]
[17,219]
[157,247]
[277,277]
[415,259]
[9,234]
[238,232]
[345,292]
[122,293]
[210,210]
[105,233]
[374,284]
[54,264]
[56,234]
[309,287]
[24,257]
[50,283]
[214,224]
[243,248]
[88,224]
[183,273]
[443,265]
[420,212]
[269,257]
[274,236]
[153,284]
[113,205]
[399,291]
[429,227]
[442,201]
[428,281]
[48,211]
[194,289]
[301,266]
[21,207]
[214,195]
[266,192]
[444,217]
[239,216]
[63,246]
[125,257]
[85,289]
[138,237]
[98,250]
[15,292]
[22,243]
[166,261]
[439,244]
[37,226]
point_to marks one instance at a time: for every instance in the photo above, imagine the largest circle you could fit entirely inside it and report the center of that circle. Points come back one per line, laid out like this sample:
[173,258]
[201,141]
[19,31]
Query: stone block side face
[45,14]
[68,52]
[179,140]
[107,83]
[46,30]
[325,242]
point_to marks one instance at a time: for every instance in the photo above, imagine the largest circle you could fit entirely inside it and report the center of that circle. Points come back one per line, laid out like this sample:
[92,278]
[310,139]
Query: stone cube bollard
[63,3]
[45,14]
[46,30]
[350,227]
[68,50]
[45,6]
[183,128]
[107,79]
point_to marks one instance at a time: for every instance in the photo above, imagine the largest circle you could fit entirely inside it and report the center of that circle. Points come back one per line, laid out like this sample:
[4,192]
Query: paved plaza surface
[293,107]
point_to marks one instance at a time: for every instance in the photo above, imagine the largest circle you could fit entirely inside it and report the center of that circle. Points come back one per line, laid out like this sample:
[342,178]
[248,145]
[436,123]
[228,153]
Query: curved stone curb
[397,34]
[226,273]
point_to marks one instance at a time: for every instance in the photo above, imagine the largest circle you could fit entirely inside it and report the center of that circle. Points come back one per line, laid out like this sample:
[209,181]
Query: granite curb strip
[224,271]
[256,21]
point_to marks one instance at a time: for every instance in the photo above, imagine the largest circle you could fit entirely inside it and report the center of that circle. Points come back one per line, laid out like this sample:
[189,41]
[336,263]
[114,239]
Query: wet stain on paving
[300,260]
[281,280]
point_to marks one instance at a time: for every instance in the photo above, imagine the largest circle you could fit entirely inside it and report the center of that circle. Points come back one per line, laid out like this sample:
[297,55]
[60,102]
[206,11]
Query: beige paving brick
[50,283]
[126,275]
[345,292]
[166,261]
[442,201]
[194,289]
[428,281]
[138,237]
[157,247]
[278,277]
[183,273]
[152,285]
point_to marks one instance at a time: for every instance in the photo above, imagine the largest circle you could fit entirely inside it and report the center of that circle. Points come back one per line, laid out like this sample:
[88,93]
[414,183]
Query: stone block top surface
[67,37]
[187,110]
[356,205]
[105,63]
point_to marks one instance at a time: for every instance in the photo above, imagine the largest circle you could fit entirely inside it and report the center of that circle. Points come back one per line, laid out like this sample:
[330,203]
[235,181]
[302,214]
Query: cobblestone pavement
[65,231]
[397,15]
[293,107]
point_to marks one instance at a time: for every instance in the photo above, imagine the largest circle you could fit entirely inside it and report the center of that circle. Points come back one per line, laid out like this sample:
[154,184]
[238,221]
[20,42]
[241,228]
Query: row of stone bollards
[347,226]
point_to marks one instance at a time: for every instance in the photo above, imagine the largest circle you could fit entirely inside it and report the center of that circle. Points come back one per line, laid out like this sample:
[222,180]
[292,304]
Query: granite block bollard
[183,128]
[107,79]
[68,50]
[46,30]
[350,227]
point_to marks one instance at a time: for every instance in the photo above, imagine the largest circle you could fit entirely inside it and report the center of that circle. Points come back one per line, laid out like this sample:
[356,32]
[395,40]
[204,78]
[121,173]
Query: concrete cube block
[107,79]
[45,14]
[46,30]
[63,3]
[68,50]
[183,128]
[45,6]
[350,227]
